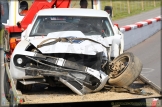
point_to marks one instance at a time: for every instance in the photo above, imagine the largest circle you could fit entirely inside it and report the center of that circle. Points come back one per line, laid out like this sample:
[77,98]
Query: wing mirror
[116,27]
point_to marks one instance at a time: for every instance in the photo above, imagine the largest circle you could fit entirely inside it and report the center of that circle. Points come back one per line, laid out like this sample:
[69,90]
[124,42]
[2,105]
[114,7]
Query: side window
[106,28]
[24,6]
[109,29]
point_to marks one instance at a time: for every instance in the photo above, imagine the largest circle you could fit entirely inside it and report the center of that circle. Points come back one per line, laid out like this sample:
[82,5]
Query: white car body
[115,40]
[85,47]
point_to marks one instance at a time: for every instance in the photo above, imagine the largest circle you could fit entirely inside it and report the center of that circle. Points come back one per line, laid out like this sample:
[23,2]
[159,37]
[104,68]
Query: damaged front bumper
[79,78]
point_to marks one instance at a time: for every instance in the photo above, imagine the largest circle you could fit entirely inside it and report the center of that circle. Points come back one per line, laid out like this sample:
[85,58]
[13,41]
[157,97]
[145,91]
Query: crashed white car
[68,45]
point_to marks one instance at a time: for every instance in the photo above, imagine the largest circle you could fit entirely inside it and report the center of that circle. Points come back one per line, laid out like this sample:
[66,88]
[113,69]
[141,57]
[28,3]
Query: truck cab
[15,8]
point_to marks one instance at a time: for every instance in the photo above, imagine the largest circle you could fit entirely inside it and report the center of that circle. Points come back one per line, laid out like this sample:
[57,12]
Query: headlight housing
[20,60]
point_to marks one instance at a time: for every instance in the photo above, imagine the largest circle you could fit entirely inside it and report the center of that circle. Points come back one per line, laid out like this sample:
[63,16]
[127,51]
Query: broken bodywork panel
[79,70]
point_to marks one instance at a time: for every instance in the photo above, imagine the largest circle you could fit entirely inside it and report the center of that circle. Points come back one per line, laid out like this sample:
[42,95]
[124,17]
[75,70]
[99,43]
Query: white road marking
[146,71]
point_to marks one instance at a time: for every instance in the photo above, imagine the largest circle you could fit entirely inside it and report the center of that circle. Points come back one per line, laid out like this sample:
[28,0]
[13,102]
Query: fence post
[120,6]
[142,4]
[154,3]
[128,6]
[112,7]
[111,3]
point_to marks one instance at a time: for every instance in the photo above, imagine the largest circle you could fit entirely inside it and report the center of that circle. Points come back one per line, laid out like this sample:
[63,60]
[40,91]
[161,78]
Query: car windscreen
[87,25]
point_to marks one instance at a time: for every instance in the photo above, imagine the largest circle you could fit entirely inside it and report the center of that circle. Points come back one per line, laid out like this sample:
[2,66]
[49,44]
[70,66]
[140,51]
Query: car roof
[73,12]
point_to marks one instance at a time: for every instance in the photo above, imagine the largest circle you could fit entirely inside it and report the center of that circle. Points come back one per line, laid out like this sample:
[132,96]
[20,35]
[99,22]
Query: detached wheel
[124,69]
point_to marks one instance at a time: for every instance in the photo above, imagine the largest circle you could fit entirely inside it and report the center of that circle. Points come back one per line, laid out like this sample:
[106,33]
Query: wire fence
[130,6]
[121,8]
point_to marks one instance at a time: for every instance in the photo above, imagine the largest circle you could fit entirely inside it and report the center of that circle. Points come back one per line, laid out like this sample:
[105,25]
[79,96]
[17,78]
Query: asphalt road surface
[140,17]
[149,52]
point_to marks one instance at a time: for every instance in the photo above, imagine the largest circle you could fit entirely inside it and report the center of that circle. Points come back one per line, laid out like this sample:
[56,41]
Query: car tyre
[129,73]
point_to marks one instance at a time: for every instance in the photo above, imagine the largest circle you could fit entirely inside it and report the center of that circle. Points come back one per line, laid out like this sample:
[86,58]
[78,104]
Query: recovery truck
[97,75]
